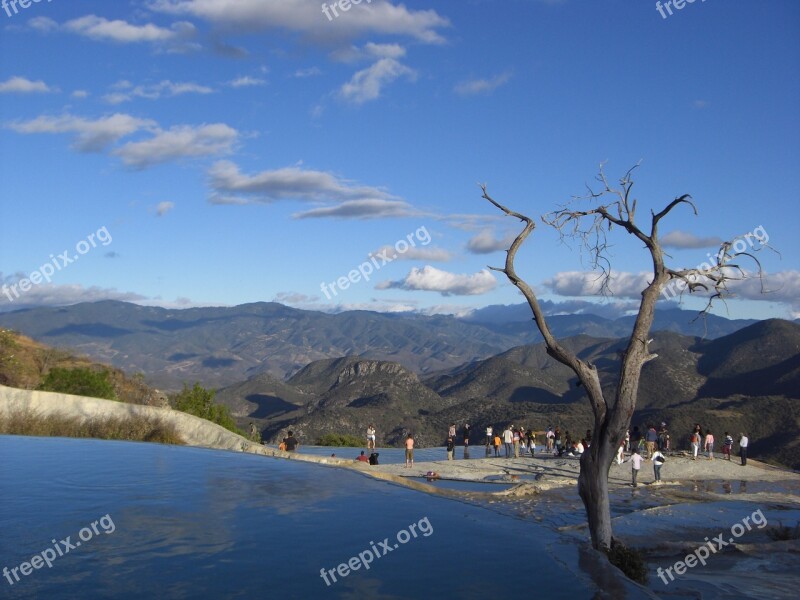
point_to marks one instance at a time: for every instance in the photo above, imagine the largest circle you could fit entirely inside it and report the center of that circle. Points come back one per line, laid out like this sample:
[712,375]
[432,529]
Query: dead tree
[612,416]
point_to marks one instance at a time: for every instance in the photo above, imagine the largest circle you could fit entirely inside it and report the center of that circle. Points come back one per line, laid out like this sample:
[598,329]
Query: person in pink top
[710,445]
[409,451]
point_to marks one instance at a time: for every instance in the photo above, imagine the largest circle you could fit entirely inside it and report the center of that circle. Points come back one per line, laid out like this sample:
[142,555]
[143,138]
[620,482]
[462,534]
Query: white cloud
[431,279]
[306,17]
[101,29]
[425,253]
[163,208]
[588,283]
[80,94]
[683,239]
[126,92]
[22,85]
[42,24]
[367,84]
[485,242]
[482,86]
[231,186]
[91,135]
[49,294]
[368,51]
[247,82]
[179,142]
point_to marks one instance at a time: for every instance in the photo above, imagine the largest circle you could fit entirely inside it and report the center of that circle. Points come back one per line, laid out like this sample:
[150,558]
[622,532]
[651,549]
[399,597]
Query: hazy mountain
[218,346]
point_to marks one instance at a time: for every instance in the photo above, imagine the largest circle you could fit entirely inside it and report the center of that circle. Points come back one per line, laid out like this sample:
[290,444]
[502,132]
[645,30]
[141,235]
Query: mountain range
[220,346]
[747,381]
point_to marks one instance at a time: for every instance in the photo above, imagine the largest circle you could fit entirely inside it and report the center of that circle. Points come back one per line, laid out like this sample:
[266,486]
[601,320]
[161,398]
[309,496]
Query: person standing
[466,434]
[727,445]
[531,441]
[636,464]
[549,437]
[496,442]
[371,437]
[710,445]
[409,451]
[508,439]
[489,436]
[695,442]
[651,437]
[620,451]
[515,440]
[451,448]
[658,460]
[743,442]
[291,444]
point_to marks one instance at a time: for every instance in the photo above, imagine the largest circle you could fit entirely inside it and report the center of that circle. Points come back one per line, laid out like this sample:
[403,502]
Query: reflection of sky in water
[205,524]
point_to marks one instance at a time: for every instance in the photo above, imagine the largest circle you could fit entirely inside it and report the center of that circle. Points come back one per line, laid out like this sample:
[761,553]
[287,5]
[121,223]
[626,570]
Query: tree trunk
[593,490]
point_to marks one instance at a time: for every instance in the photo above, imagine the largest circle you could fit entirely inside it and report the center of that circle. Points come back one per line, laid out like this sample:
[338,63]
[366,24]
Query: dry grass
[138,429]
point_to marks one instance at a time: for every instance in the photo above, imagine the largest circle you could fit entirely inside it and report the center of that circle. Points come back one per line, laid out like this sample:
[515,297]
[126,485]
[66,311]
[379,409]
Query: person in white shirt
[489,439]
[620,451]
[636,464]
[658,460]
[508,439]
[743,441]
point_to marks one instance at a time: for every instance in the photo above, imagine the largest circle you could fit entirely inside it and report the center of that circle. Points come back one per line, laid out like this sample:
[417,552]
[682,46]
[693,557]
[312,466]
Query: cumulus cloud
[472,87]
[366,85]
[485,242]
[683,239]
[178,142]
[90,135]
[101,29]
[588,283]
[431,279]
[22,85]
[304,17]
[124,91]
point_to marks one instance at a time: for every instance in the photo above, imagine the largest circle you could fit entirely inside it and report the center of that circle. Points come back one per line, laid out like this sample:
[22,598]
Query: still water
[195,523]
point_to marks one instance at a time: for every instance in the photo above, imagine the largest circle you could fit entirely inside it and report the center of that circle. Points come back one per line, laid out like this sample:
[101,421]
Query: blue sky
[228,151]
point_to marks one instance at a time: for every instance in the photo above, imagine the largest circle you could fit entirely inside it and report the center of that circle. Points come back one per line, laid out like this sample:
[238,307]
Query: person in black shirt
[291,442]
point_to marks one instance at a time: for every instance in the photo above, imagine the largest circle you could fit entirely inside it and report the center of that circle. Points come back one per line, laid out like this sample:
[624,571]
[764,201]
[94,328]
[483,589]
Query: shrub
[137,429]
[336,439]
[80,382]
[199,402]
[628,560]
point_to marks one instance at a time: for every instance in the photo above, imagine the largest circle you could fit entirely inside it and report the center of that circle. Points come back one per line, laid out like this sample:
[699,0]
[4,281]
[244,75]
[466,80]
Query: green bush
[79,382]
[628,560]
[199,402]
[336,439]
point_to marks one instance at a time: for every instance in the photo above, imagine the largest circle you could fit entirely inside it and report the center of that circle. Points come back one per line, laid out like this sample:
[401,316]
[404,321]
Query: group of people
[513,439]
[699,439]
[289,443]
[652,445]
[562,443]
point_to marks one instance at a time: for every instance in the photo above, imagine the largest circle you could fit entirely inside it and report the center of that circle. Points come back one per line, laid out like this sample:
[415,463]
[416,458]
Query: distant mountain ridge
[747,381]
[219,346]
